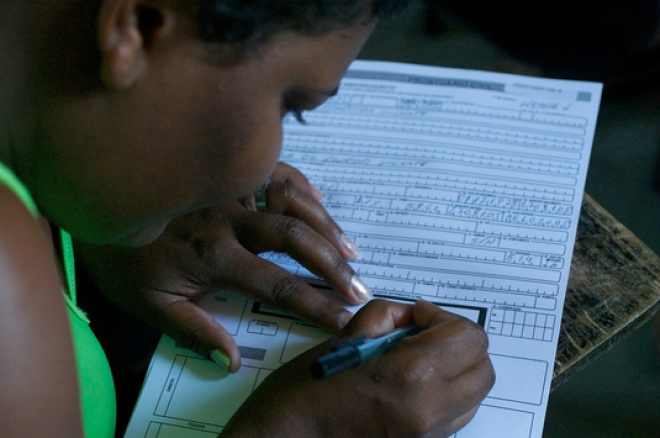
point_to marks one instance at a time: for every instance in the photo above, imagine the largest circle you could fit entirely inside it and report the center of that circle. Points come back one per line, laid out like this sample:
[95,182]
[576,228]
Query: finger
[374,319]
[460,343]
[377,318]
[460,422]
[469,389]
[278,288]
[195,329]
[427,314]
[287,174]
[306,246]
[289,200]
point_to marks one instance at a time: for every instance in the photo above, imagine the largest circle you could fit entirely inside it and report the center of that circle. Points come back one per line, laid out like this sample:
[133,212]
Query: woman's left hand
[218,247]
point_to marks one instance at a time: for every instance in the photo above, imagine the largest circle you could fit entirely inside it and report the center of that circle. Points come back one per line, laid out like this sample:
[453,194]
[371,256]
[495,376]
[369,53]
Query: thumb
[377,318]
[193,328]
[426,314]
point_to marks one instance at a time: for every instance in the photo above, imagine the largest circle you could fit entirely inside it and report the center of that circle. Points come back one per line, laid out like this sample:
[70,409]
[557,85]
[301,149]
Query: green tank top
[97,391]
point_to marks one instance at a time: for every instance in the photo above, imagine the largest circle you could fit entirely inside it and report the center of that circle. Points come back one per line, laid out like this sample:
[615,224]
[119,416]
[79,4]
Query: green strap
[10,179]
[97,393]
[69,264]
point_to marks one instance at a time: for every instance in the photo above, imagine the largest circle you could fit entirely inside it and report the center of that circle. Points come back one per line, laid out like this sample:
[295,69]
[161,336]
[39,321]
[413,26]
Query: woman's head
[246,25]
[164,107]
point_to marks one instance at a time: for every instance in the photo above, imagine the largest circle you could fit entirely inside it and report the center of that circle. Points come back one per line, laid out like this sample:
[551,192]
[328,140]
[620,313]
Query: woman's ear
[126,28]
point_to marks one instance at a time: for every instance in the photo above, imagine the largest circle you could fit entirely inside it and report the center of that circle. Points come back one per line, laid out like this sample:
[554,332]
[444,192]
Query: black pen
[352,353]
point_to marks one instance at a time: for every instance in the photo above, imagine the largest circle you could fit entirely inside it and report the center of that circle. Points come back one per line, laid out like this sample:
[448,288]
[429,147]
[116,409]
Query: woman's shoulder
[25,248]
[40,373]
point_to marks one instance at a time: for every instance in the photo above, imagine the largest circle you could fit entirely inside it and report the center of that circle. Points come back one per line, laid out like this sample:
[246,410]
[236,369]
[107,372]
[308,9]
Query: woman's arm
[38,381]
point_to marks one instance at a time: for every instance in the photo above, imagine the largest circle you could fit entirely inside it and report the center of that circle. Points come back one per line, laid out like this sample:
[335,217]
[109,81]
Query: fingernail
[350,246]
[343,318]
[360,290]
[316,193]
[220,359]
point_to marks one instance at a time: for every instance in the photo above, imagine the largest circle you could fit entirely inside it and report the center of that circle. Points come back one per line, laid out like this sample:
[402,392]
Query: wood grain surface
[613,288]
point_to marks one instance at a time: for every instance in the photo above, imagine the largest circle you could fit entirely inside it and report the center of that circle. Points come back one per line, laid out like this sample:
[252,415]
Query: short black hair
[247,24]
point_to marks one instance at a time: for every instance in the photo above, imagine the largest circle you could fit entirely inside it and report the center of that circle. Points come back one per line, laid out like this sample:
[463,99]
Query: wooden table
[614,288]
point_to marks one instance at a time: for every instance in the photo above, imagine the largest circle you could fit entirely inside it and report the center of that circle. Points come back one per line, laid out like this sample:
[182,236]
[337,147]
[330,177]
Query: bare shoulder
[30,284]
[40,374]
[25,251]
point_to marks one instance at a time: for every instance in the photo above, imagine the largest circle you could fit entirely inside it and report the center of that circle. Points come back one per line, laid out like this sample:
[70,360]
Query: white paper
[461,187]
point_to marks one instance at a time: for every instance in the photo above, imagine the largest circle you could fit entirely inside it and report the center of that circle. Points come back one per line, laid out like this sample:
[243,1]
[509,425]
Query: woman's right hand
[429,385]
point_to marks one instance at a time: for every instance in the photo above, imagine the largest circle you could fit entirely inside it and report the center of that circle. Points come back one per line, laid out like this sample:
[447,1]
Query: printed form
[460,187]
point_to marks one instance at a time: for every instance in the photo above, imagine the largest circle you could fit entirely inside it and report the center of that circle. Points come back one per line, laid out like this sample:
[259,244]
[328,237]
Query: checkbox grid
[521,324]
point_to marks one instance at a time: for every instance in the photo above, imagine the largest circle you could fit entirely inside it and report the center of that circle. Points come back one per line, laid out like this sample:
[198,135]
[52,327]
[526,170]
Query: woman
[143,128]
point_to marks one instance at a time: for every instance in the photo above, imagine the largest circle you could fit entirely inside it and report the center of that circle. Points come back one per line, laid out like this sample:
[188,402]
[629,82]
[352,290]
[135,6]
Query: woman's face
[117,165]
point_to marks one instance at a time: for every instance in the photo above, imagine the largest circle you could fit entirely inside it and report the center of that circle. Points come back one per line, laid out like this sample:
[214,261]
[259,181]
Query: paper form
[461,187]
